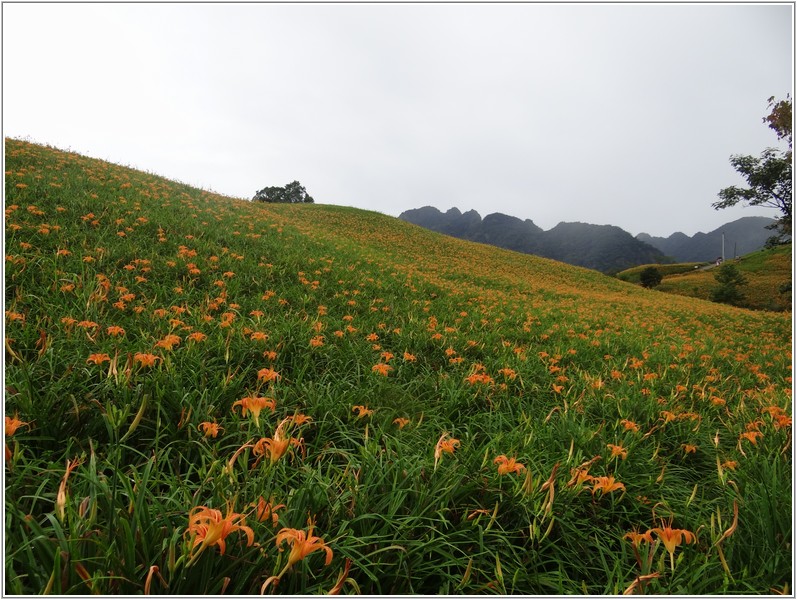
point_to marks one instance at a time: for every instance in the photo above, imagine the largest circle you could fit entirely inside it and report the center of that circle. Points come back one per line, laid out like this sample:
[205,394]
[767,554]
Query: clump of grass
[143,316]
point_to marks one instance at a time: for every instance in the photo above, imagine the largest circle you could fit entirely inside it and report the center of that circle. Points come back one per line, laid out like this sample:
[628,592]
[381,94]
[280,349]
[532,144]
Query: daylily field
[205,395]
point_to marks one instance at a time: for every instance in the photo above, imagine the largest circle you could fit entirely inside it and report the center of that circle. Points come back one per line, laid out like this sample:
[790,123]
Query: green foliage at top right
[769,178]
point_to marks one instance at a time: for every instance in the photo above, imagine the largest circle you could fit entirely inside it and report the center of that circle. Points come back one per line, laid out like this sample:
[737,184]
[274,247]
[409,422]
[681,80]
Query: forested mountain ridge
[604,248]
[742,236]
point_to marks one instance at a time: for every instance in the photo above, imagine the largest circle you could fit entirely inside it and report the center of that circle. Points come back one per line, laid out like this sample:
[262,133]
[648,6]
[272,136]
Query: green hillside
[633,274]
[206,395]
[768,273]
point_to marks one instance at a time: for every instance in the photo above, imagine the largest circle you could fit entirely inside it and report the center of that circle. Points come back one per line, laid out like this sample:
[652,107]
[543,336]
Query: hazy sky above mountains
[607,114]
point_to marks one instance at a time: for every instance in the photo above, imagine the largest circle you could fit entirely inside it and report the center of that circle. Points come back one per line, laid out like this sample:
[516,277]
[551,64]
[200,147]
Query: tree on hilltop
[650,277]
[768,177]
[292,193]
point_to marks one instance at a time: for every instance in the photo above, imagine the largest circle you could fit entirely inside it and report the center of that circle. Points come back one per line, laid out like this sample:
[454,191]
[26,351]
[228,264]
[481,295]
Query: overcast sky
[607,114]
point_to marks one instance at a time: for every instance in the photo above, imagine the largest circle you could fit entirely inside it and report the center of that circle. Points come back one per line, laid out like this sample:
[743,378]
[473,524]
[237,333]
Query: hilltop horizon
[606,248]
[689,232]
[709,223]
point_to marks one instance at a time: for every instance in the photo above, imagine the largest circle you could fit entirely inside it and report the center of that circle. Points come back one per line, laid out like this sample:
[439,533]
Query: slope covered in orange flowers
[208,395]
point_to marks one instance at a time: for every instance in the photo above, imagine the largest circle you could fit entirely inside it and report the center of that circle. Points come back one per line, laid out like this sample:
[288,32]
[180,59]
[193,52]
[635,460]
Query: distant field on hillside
[632,275]
[211,396]
[768,274]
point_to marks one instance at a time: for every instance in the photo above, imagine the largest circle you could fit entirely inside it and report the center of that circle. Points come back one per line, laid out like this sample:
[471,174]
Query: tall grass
[392,340]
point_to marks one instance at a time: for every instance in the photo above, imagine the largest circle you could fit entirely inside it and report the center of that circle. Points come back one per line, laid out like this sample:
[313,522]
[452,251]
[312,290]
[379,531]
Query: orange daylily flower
[254,405]
[508,465]
[671,538]
[751,436]
[208,528]
[145,359]
[668,416]
[168,342]
[362,411]
[606,485]
[98,358]
[302,544]
[635,537]
[629,425]
[210,429]
[276,446]
[14,423]
[300,419]
[617,451]
[482,378]
[508,373]
[265,510]
[401,422]
[444,444]
[268,375]
[382,369]
[579,476]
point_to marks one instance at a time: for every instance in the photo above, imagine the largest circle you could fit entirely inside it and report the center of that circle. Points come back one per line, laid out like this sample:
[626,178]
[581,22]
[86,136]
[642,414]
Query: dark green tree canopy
[292,193]
[730,280]
[650,277]
[769,177]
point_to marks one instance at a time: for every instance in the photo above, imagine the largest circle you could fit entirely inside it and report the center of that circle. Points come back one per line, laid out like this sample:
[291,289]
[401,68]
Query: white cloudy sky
[609,114]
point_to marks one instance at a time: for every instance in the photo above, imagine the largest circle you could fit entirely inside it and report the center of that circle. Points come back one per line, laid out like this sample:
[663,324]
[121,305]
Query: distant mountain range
[605,248]
[742,236]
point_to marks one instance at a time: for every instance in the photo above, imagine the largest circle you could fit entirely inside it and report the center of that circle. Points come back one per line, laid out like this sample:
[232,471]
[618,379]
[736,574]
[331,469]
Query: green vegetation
[650,277]
[209,396]
[769,177]
[292,193]
[729,280]
[634,274]
[768,273]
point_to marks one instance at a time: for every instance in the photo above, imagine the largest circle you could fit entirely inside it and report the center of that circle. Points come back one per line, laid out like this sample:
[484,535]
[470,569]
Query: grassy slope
[633,274]
[767,272]
[511,354]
